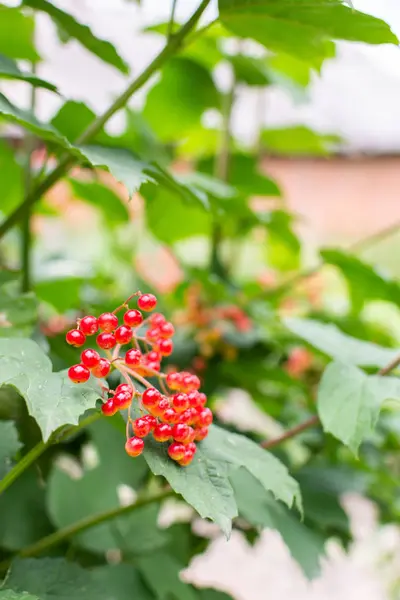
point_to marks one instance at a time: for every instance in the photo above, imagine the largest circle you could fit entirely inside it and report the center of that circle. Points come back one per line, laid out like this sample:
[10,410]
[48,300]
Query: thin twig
[170,29]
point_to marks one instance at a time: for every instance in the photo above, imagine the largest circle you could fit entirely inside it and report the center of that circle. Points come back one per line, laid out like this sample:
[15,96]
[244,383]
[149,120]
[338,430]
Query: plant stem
[290,433]
[170,30]
[66,162]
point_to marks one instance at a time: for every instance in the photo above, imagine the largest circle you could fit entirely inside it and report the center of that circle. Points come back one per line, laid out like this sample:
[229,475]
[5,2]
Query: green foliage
[10,595]
[19,46]
[10,70]
[9,445]
[298,140]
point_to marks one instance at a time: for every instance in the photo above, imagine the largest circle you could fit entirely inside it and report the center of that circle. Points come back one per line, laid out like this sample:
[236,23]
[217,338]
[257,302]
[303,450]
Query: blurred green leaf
[72,119]
[293,28]
[11,179]
[13,45]
[291,67]
[10,595]
[18,312]
[101,196]
[9,445]
[261,510]
[172,107]
[349,402]
[23,527]
[249,70]
[82,33]
[298,140]
[167,584]
[331,341]
[61,292]
[283,246]
[120,582]
[52,399]
[9,69]
[364,282]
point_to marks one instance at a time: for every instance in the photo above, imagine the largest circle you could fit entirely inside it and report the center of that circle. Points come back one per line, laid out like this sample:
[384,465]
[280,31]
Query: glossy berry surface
[176,451]
[90,358]
[147,302]
[133,357]
[165,347]
[78,373]
[201,433]
[170,416]
[152,421]
[134,446]
[141,427]
[162,432]
[108,408]
[125,388]
[167,330]
[133,318]
[122,400]
[89,325]
[106,341]
[174,381]
[151,397]
[152,334]
[180,432]
[180,402]
[205,417]
[102,369]
[123,334]
[157,319]
[108,322]
[75,338]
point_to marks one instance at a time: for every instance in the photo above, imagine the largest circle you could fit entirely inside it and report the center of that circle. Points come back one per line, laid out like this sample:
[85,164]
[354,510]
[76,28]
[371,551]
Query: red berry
[123,334]
[187,458]
[88,325]
[108,408]
[133,318]
[174,381]
[152,421]
[194,399]
[191,436]
[202,398]
[190,382]
[106,341]
[201,433]
[153,334]
[189,416]
[205,417]
[157,319]
[165,347]
[162,432]
[75,338]
[108,322]
[151,397]
[141,427]
[134,446]
[147,302]
[176,451]
[167,330]
[152,356]
[181,432]
[192,447]
[170,416]
[180,402]
[102,369]
[133,357]
[122,400]
[78,373]
[90,358]
[153,366]
[125,388]
[161,407]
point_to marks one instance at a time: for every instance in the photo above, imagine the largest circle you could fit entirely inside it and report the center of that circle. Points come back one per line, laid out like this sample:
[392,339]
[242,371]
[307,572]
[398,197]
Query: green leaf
[64,293]
[298,140]
[249,70]
[72,119]
[331,341]
[283,246]
[261,510]
[10,70]
[349,402]
[18,312]
[206,486]
[24,527]
[363,281]
[9,445]
[10,595]
[52,400]
[11,179]
[101,196]
[175,104]
[19,46]
[120,582]
[82,33]
[293,27]
[167,584]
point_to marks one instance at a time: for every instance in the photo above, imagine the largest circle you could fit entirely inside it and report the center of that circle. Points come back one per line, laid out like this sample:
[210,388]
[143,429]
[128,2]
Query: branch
[66,163]
[312,421]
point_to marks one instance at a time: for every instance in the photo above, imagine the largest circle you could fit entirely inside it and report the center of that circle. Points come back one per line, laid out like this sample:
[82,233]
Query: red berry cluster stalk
[177,414]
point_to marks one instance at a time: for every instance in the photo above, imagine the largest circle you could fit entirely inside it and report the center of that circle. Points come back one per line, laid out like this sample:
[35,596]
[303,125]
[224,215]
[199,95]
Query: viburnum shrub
[175,413]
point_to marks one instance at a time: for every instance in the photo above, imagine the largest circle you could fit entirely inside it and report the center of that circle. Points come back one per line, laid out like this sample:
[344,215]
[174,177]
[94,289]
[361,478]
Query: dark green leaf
[72,119]
[10,70]
[175,104]
[13,45]
[261,510]
[331,341]
[120,582]
[52,400]
[298,140]
[293,27]
[10,595]
[112,206]
[349,402]
[9,445]
[167,584]
[82,33]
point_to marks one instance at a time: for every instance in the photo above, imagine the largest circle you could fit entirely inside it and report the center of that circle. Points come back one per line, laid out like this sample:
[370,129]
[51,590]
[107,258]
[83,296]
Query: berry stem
[138,377]
[125,304]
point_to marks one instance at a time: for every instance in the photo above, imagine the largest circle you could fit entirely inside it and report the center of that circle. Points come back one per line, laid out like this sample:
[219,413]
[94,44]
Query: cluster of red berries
[178,413]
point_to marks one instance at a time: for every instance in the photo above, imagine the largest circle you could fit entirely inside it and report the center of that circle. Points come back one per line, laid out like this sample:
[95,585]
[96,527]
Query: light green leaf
[9,445]
[72,119]
[298,140]
[11,179]
[331,341]
[205,484]
[261,510]
[249,70]
[10,70]
[296,28]
[82,33]
[167,584]
[19,46]
[18,312]
[61,292]
[283,245]
[10,595]
[349,402]
[175,104]
[52,400]
[363,281]
[101,196]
